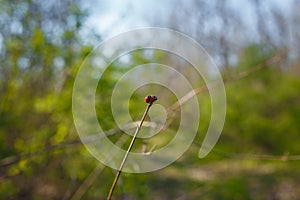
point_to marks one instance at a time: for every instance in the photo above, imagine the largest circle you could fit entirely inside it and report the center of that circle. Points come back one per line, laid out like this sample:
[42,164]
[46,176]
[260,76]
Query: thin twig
[171,110]
[273,60]
[80,191]
[127,153]
[10,160]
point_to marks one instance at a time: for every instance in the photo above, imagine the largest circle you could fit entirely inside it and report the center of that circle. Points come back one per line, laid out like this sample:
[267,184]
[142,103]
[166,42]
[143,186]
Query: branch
[78,194]
[127,152]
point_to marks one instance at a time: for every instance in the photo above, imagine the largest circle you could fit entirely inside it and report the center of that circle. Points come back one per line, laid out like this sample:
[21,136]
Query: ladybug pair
[150,99]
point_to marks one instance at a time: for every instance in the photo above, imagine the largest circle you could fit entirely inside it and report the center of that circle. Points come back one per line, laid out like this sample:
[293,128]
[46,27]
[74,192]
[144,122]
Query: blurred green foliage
[41,156]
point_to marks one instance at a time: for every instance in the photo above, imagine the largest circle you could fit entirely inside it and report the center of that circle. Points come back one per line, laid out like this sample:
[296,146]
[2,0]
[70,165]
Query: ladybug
[150,99]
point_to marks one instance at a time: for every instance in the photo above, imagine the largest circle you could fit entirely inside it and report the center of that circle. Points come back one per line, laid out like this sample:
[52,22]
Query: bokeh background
[255,45]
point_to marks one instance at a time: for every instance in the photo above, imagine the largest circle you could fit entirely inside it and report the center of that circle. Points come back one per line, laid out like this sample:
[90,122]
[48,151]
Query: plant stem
[127,153]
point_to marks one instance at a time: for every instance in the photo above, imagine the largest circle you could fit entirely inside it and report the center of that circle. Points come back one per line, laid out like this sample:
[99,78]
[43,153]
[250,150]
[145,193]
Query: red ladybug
[150,99]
